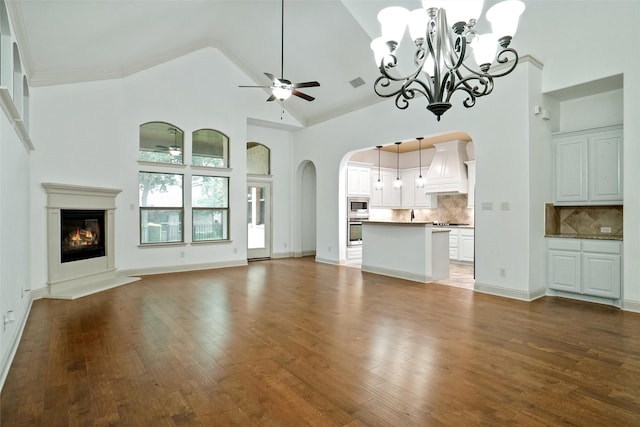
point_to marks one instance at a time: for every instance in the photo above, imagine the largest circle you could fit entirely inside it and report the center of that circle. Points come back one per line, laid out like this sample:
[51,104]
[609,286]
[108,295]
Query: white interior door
[258,220]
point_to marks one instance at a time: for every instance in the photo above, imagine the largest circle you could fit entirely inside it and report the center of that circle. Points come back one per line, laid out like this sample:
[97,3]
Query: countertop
[421,223]
[436,228]
[585,236]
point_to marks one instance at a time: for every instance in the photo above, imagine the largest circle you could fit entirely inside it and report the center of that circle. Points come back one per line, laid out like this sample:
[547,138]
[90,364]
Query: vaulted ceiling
[67,41]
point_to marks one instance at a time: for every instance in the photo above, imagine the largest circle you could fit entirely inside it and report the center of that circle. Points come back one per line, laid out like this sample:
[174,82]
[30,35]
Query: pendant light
[420,179]
[398,182]
[379,182]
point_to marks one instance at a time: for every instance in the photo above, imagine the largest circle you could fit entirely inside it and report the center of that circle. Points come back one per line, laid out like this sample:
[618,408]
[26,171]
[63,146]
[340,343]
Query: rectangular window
[210,202]
[161,207]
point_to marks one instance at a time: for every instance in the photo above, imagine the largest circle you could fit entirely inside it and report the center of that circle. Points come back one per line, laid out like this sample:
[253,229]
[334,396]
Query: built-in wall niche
[14,87]
[596,103]
[584,221]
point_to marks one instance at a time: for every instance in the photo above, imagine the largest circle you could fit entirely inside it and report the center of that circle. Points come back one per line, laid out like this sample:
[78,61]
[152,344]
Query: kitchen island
[407,250]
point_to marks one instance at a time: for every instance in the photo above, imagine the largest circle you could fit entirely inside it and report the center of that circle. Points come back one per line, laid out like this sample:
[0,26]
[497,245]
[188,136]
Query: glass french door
[258,220]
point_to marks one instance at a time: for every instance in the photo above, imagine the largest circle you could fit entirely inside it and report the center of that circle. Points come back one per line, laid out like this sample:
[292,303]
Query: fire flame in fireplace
[82,237]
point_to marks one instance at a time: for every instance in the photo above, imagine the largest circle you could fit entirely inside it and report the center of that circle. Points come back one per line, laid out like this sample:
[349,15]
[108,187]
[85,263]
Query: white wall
[89,135]
[15,235]
[604,109]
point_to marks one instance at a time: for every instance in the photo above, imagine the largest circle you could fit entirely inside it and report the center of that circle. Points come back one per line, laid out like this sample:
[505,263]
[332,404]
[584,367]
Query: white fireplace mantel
[75,279]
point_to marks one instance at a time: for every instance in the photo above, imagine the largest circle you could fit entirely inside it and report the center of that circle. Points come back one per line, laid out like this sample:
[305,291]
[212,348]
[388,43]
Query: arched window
[17,79]
[161,142]
[5,46]
[25,106]
[210,148]
[258,159]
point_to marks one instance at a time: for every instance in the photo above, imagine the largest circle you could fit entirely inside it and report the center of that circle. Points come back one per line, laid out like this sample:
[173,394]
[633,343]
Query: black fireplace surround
[82,235]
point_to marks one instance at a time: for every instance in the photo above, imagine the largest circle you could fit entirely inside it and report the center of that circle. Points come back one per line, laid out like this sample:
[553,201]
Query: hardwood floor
[293,343]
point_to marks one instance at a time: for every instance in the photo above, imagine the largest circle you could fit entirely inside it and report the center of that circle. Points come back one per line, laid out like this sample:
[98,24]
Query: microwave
[358,207]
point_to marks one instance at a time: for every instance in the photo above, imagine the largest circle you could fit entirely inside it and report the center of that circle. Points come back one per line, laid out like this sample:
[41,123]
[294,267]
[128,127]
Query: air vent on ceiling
[357,82]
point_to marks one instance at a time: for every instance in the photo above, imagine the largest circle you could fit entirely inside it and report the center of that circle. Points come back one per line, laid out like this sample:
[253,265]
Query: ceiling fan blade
[306,84]
[302,95]
[271,98]
[271,77]
[255,86]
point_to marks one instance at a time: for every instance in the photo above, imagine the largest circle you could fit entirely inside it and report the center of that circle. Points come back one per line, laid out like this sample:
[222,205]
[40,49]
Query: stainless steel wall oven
[357,211]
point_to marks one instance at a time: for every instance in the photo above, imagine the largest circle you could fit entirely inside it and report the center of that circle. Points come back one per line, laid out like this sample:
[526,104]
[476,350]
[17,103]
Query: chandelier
[442,59]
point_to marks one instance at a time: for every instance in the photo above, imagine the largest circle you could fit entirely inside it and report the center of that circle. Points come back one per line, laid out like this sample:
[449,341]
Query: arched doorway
[258,201]
[307,221]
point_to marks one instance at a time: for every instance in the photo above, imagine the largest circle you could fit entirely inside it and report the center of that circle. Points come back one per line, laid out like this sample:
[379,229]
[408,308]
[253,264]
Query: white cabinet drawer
[564,244]
[605,247]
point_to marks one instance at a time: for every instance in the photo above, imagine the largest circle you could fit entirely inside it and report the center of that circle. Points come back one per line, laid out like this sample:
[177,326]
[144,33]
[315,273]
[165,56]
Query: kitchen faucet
[413,216]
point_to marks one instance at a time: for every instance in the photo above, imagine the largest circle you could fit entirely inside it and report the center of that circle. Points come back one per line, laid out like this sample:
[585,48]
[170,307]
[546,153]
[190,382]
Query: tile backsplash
[452,208]
[583,220]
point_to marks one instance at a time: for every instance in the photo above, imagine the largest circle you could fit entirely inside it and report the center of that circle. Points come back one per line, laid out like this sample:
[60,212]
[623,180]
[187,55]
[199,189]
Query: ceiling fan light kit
[282,89]
[441,58]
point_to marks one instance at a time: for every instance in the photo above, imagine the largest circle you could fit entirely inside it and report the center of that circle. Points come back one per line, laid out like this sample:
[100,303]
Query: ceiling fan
[282,88]
[175,149]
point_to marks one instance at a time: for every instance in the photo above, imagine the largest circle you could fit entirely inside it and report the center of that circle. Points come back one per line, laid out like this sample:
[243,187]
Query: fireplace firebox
[82,234]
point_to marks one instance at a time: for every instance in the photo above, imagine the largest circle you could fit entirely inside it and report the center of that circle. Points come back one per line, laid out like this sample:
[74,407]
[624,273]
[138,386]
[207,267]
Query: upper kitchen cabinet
[358,180]
[588,167]
[388,196]
[412,196]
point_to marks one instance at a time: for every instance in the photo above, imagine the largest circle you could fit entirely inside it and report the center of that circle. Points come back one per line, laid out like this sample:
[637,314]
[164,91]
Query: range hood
[448,173]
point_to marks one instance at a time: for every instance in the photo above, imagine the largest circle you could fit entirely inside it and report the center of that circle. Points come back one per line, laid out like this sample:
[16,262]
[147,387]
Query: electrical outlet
[182,254]
[503,272]
[605,229]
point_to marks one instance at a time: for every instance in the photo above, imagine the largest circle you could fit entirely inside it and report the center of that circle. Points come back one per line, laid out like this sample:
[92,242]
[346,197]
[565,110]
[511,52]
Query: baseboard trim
[277,255]
[15,344]
[326,261]
[181,268]
[631,305]
[398,274]
[39,293]
[508,293]
[90,288]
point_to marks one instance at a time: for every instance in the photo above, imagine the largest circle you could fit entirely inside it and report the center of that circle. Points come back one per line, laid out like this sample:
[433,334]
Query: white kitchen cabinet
[388,197]
[413,197]
[408,189]
[601,265]
[605,167]
[391,197]
[587,267]
[454,237]
[563,265]
[588,167]
[466,245]
[461,244]
[358,180]
[471,172]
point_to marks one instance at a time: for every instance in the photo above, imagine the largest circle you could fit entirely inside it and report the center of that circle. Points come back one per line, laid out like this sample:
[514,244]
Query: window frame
[180,209]
[226,149]
[226,209]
